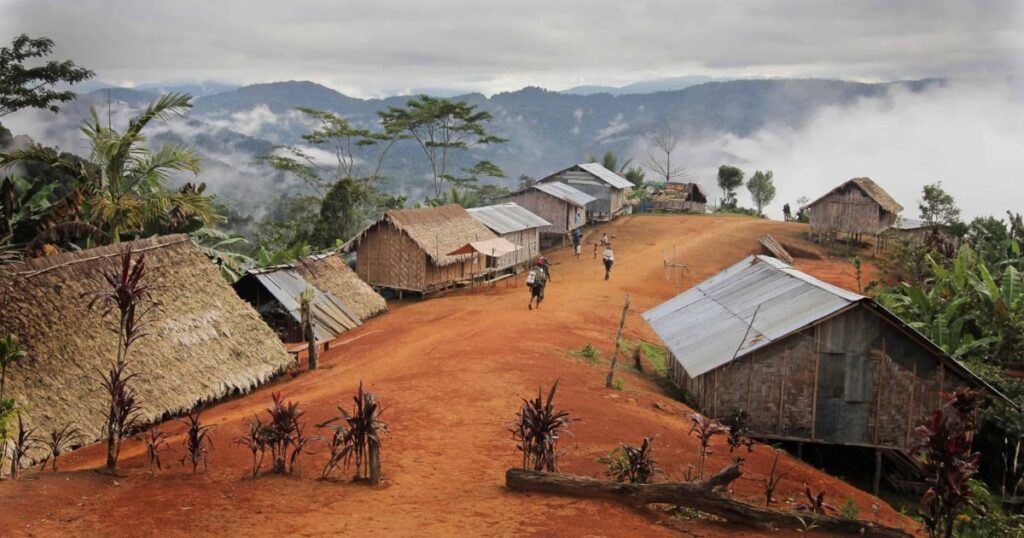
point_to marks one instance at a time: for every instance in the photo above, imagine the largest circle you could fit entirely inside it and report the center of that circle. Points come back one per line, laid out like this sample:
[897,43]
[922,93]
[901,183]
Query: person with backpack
[577,238]
[536,279]
[609,259]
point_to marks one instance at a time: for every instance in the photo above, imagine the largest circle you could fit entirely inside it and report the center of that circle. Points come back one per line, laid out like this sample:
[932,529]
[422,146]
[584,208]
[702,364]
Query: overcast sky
[366,48]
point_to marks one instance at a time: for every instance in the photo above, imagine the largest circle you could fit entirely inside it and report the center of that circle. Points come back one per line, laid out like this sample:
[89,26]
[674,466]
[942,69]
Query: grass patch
[589,353]
[618,384]
[655,354]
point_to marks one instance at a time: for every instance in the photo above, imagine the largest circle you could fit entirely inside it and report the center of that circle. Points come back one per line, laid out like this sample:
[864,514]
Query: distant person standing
[577,237]
[536,279]
[609,259]
[786,215]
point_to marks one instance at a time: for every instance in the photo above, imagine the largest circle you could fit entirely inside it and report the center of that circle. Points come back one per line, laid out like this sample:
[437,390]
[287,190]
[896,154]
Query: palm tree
[124,192]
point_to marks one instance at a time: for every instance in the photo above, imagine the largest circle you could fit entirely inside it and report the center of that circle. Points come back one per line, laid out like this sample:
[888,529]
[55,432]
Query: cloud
[616,126]
[461,44]
[968,136]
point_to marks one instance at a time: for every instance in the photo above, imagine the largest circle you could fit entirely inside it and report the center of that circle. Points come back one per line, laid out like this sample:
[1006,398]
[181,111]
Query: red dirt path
[451,372]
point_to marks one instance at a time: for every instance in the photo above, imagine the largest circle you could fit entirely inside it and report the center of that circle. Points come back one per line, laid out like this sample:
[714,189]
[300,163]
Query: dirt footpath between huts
[450,372]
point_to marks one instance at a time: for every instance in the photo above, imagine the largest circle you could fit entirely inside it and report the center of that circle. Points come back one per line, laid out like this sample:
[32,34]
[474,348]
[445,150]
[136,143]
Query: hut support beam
[814,392]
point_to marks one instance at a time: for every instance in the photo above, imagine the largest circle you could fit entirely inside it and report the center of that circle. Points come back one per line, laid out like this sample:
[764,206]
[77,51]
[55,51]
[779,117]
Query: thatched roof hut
[680,197]
[328,272]
[204,342]
[407,249]
[858,206]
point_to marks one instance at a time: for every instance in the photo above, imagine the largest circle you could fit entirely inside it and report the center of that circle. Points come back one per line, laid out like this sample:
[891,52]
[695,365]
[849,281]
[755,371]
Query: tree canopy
[730,178]
[22,86]
[762,189]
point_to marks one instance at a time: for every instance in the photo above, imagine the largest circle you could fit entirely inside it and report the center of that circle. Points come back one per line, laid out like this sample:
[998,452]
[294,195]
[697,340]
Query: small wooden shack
[515,224]
[202,344]
[406,249]
[608,188]
[857,207]
[808,361]
[564,207]
[680,198]
[341,300]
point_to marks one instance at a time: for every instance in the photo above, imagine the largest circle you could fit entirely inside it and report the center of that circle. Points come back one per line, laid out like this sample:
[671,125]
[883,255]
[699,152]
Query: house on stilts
[203,343]
[807,361]
[408,249]
[515,224]
[856,208]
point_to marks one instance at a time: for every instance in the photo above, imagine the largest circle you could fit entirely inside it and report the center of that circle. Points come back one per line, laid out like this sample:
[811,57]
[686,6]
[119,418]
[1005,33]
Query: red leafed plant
[949,461]
[536,429]
[706,428]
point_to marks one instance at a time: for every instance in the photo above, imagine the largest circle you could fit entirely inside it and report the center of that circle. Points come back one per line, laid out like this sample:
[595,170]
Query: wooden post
[750,379]
[910,404]
[372,449]
[814,393]
[782,392]
[878,472]
[878,394]
[618,339]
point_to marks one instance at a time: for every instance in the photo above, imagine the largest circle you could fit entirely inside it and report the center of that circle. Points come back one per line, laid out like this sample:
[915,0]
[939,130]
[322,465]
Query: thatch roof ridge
[871,189]
[331,274]
[438,230]
[203,343]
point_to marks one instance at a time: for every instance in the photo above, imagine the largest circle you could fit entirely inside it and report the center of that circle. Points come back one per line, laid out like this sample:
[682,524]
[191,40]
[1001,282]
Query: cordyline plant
[706,428]
[255,441]
[632,464]
[130,297]
[283,435]
[949,461]
[537,428]
[156,442]
[198,441]
[23,443]
[737,424]
[815,503]
[58,441]
[356,438]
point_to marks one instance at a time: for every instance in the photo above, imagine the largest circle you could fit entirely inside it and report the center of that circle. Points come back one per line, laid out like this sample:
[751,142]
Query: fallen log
[700,496]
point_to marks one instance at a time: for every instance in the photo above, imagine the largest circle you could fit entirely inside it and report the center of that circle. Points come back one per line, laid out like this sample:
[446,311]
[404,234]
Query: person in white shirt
[609,259]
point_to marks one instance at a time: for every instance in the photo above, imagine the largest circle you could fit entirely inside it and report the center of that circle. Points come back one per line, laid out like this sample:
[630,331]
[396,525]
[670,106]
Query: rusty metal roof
[565,193]
[507,218]
[331,317]
[704,326]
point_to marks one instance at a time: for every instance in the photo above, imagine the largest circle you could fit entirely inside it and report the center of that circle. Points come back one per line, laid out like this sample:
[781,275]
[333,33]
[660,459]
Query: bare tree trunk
[618,339]
[699,496]
[372,449]
[314,353]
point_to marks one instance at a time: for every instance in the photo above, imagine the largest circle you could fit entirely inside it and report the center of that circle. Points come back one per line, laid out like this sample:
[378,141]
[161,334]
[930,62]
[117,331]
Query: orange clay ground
[451,372]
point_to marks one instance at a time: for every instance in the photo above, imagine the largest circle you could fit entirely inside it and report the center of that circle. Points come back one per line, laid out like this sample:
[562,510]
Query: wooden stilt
[876,486]
[814,393]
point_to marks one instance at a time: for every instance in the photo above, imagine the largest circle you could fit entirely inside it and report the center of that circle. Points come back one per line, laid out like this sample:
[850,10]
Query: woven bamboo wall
[850,211]
[550,209]
[388,258]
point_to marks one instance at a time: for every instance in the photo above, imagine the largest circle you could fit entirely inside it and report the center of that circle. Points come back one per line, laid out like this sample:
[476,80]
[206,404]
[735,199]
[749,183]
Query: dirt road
[450,372]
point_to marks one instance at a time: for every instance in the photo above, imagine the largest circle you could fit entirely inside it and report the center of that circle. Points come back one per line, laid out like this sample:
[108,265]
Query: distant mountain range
[547,130]
[644,86]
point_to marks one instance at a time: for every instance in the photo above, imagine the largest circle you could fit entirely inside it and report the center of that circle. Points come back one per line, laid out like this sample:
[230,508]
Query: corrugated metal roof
[507,218]
[704,326]
[565,193]
[607,175]
[330,316]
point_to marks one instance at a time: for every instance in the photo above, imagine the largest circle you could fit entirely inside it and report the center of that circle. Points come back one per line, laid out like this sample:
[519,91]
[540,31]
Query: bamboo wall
[564,217]
[529,240]
[855,379]
[388,258]
[850,211]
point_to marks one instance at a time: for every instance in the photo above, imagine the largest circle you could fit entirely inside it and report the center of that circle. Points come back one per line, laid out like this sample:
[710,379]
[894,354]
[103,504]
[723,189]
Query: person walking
[537,279]
[609,259]
[577,238]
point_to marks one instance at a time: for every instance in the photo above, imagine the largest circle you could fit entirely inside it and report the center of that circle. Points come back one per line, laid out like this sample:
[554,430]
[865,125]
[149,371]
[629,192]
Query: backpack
[531,277]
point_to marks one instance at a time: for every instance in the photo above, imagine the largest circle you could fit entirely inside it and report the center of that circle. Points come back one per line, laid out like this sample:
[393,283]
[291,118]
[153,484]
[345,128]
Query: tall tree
[659,157]
[762,189]
[938,208]
[346,194]
[33,87]
[730,178]
[444,130]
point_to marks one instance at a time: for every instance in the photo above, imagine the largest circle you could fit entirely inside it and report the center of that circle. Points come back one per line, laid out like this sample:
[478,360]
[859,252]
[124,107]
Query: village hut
[407,249]
[557,203]
[934,234]
[330,273]
[515,224]
[608,188]
[857,207]
[680,198]
[202,343]
[807,361]
[338,303]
